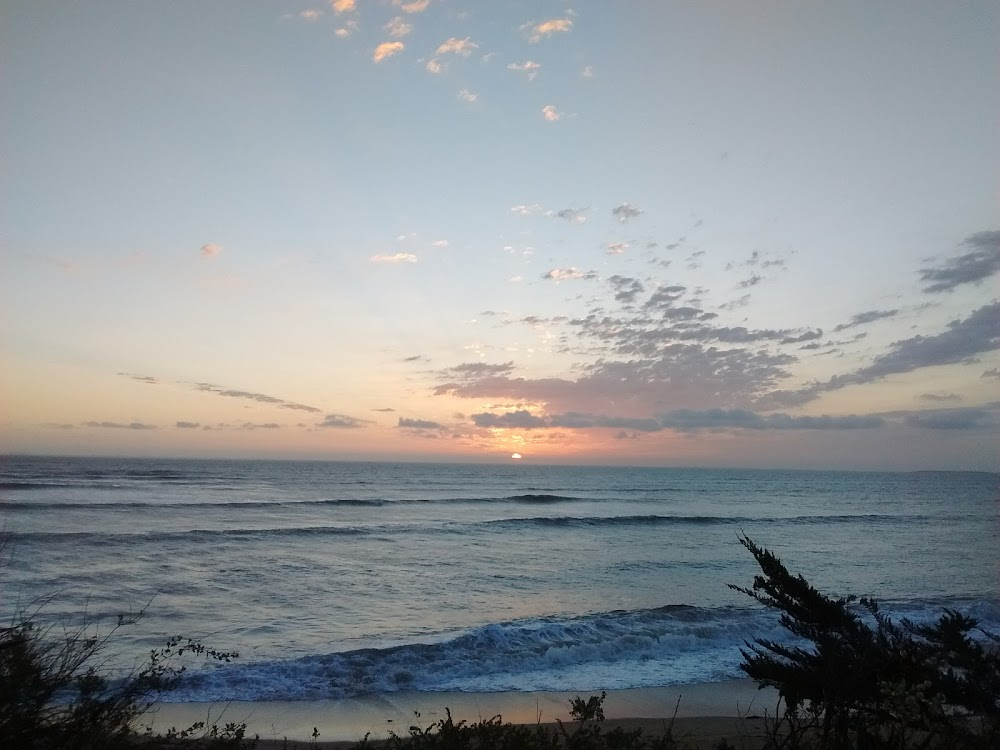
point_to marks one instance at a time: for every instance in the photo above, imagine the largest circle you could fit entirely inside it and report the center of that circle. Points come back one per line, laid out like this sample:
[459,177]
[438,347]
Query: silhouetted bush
[857,679]
[57,691]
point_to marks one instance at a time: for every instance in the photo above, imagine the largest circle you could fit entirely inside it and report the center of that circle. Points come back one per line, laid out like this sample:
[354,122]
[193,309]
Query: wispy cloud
[587,72]
[625,212]
[531,209]
[529,67]
[210,250]
[434,66]
[398,28]
[866,317]
[952,419]
[386,50]
[455,46]
[395,258]
[569,274]
[342,422]
[467,96]
[939,397]
[572,215]
[419,424]
[311,15]
[415,6]
[980,262]
[150,380]
[962,340]
[681,420]
[616,248]
[187,425]
[346,30]
[551,114]
[121,425]
[538,31]
[688,420]
[626,289]
[260,398]
[343,6]
[386,409]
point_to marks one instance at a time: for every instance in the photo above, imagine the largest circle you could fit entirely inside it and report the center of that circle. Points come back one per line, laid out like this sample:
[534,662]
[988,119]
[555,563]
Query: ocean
[335,580]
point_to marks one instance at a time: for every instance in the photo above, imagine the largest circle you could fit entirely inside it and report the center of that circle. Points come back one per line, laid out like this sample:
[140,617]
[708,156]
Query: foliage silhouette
[857,679]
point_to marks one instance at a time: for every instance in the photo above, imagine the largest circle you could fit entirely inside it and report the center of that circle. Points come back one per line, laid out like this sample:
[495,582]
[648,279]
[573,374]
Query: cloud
[806,336]
[387,49]
[529,67]
[416,6]
[434,66]
[532,209]
[396,258]
[616,248]
[210,250]
[520,419]
[259,426]
[342,421]
[752,281]
[572,215]
[346,30]
[342,6]
[386,409]
[569,274]
[188,425]
[980,262]
[939,397]
[551,114]
[260,398]
[689,420]
[578,420]
[624,212]
[626,289]
[866,317]
[440,243]
[419,424]
[478,369]
[960,343]
[310,15]
[141,378]
[951,419]
[962,340]
[993,374]
[537,32]
[121,425]
[587,72]
[462,47]
[682,420]
[398,28]
[467,96]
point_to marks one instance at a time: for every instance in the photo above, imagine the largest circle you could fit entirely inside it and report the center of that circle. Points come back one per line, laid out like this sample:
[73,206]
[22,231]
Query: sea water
[342,579]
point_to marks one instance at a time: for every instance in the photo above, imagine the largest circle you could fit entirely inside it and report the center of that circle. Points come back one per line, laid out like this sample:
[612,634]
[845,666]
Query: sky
[745,234]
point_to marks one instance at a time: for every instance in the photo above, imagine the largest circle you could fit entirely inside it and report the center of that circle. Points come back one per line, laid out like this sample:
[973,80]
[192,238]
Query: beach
[357,594]
[705,711]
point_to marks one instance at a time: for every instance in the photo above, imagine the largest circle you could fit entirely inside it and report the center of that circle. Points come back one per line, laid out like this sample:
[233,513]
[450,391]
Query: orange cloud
[387,49]
[417,6]
[547,28]
[342,6]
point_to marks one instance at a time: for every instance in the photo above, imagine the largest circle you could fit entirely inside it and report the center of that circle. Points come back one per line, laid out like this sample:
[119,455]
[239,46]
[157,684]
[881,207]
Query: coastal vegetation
[849,677]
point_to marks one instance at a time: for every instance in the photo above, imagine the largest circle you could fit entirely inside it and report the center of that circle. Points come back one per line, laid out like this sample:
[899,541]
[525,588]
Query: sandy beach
[705,712]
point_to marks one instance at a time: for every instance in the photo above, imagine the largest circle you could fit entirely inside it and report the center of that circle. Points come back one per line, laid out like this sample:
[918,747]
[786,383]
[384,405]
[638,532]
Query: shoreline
[703,707]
